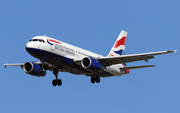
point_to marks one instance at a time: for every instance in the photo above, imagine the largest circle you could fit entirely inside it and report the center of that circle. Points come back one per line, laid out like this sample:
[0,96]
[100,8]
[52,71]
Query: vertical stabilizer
[119,46]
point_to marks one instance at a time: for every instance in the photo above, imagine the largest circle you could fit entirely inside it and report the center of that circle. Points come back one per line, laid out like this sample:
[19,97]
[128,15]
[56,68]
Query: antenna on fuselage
[44,34]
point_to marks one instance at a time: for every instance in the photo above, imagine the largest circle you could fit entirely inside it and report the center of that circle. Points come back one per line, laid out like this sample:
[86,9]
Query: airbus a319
[58,56]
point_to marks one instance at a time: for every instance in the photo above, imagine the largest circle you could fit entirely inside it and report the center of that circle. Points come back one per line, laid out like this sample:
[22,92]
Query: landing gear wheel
[93,80]
[97,79]
[59,82]
[54,82]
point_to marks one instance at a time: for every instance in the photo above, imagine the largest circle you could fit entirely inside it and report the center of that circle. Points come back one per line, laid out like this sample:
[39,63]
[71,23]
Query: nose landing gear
[56,81]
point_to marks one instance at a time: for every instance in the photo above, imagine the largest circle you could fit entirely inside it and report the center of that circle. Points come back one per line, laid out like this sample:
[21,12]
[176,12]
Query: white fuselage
[61,55]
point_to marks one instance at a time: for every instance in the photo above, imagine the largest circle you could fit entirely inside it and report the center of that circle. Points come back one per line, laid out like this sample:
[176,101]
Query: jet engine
[34,69]
[91,64]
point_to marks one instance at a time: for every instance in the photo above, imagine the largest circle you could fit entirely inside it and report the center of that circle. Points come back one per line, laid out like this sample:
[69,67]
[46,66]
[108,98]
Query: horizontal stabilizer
[136,67]
[175,51]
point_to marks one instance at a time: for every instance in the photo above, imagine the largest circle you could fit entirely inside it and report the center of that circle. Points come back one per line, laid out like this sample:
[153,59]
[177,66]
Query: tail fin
[119,46]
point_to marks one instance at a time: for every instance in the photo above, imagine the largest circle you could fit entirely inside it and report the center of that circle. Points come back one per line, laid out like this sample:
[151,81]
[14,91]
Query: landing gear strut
[95,79]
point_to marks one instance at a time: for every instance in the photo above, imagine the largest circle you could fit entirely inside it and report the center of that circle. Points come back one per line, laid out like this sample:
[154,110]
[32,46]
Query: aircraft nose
[34,50]
[29,46]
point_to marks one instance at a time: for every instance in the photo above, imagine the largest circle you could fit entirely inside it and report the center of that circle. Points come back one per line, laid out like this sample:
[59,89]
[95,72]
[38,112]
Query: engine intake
[91,64]
[34,69]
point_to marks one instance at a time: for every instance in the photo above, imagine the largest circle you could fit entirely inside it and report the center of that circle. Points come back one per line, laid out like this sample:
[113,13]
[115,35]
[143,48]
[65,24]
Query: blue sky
[93,25]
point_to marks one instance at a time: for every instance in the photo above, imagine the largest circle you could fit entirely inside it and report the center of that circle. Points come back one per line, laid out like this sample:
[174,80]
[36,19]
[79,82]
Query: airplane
[58,56]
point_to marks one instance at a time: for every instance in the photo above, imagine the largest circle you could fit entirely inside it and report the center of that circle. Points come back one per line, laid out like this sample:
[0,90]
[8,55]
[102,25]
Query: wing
[47,66]
[19,64]
[107,61]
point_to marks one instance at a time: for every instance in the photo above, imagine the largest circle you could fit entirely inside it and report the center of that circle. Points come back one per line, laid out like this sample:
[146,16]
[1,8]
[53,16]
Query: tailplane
[136,67]
[118,48]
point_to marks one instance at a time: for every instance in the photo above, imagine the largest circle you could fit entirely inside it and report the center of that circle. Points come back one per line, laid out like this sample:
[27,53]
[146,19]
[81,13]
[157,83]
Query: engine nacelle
[33,69]
[91,64]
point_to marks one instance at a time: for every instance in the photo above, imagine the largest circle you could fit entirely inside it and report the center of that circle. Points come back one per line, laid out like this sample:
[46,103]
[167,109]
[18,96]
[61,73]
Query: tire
[59,82]
[98,79]
[54,82]
[93,80]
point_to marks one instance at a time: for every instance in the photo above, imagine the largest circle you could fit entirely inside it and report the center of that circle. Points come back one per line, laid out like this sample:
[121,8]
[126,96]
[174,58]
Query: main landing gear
[56,81]
[95,79]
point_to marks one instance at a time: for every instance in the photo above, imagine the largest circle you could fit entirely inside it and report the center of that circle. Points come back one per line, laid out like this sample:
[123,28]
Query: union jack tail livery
[118,48]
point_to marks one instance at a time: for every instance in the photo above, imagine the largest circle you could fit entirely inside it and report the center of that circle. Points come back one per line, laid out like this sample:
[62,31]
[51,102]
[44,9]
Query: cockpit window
[35,39]
[40,40]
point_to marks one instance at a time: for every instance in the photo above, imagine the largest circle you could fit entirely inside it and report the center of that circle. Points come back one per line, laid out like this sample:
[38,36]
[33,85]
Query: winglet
[175,52]
[5,65]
